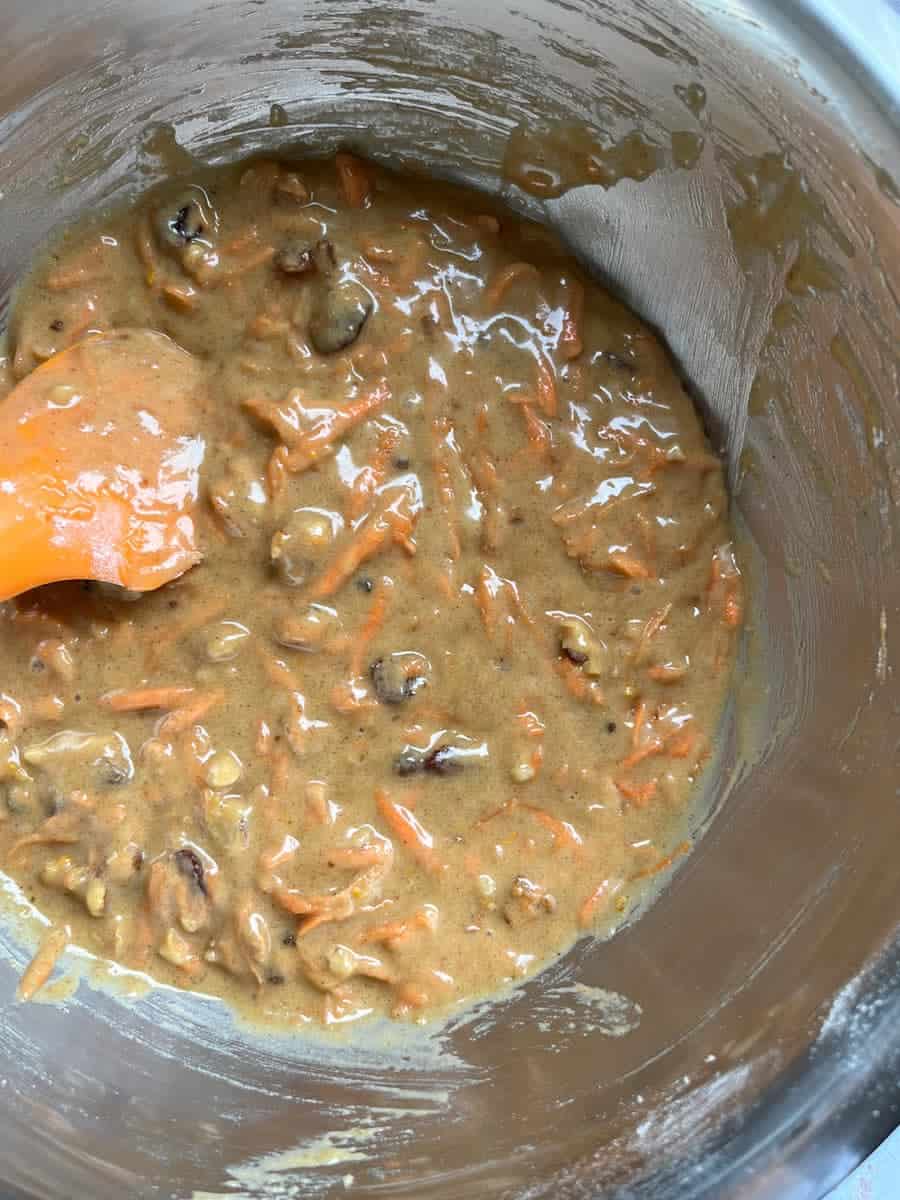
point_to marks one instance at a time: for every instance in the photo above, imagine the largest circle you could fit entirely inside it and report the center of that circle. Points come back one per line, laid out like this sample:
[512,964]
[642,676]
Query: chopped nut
[175,950]
[22,798]
[223,770]
[295,259]
[95,897]
[341,961]
[184,219]
[486,886]
[190,865]
[526,901]
[338,317]
[389,679]
[255,934]
[296,549]
[226,818]
[10,766]
[522,772]
[290,189]
[108,754]
[579,645]
[309,631]
[54,869]
[397,677]
[75,878]
[224,641]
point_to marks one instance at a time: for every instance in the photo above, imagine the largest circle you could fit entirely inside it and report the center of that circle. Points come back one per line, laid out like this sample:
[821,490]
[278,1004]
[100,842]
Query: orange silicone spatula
[100,465]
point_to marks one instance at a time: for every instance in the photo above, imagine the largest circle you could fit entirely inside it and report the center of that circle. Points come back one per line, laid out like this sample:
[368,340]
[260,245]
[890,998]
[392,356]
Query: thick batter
[435,699]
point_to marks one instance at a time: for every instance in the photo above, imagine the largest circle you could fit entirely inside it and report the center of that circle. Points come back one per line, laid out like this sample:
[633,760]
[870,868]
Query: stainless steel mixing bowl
[765,1063]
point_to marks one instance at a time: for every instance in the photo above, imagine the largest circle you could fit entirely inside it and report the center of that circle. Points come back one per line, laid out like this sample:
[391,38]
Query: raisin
[338,317]
[575,656]
[295,259]
[408,762]
[443,760]
[189,865]
[389,680]
[188,223]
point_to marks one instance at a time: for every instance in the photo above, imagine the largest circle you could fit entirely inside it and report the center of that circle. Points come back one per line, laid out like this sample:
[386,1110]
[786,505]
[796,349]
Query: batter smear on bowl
[433,701]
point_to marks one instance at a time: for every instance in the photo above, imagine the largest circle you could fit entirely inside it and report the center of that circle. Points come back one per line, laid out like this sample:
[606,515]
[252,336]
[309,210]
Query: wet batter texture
[434,701]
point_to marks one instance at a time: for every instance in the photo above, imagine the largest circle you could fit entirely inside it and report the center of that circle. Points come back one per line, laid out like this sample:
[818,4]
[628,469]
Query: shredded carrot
[263,743]
[276,471]
[398,931]
[200,613]
[681,744]
[640,716]
[504,279]
[564,833]
[570,342]
[183,718]
[357,858]
[441,431]
[316,795]
[484,598]
[41,966]
[628,565]
[639,794]
[732,609]
[277,672]
[531,723]
[373,473]
[577,683]
[370,539]
[605,890]
[649,748]
[409,996]
[243,266]
[667,673]
[371,626]
[281,770]
[680,849]
[73,277]
[146,252]
[536,431]
[139,699]
[546,387]
[417,840]
[312,445]
[648,535]
[347,696]
[182,297]
[355,180]
[651,629]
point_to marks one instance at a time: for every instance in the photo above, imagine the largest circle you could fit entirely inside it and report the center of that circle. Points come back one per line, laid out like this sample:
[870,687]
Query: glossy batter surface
[434,701]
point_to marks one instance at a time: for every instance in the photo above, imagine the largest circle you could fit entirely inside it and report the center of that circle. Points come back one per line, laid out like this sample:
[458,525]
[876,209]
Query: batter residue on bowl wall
[434,702]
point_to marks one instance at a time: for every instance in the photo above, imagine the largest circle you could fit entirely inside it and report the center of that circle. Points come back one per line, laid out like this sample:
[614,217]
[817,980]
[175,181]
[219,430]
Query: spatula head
[100,464]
